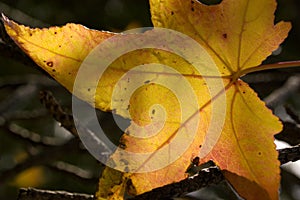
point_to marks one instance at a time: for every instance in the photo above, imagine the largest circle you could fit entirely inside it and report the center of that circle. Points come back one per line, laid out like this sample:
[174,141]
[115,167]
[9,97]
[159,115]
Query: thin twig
[266,77]
[67,122]
[18,98]
[23,114]
[52,105]
[290,133]
[81,175]
[280,95]
[31,137]
[15,80]
[292,114]
[46,156]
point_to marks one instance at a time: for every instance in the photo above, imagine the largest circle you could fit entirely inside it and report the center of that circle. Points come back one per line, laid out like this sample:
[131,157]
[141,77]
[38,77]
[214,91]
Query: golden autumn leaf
[32,177]
[170,102]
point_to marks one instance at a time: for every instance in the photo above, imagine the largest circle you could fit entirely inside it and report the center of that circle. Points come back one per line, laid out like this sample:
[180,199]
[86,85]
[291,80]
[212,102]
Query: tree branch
[205,178]
[47,156]
[35,194]
[291,154]
[58,113]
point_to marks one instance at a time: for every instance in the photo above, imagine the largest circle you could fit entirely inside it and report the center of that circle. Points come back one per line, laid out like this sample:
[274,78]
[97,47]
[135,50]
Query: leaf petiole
[279,65]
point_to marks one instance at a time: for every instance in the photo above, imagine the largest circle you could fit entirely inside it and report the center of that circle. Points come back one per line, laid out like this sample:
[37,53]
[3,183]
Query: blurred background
[34,150]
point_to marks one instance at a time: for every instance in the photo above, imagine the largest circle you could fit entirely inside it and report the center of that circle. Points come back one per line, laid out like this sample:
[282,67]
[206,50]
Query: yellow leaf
[60,51]
[111,185]
[238,35]
[32,177]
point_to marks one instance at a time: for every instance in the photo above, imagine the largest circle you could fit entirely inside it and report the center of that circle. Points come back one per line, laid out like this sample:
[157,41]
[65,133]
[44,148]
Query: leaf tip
[4,19]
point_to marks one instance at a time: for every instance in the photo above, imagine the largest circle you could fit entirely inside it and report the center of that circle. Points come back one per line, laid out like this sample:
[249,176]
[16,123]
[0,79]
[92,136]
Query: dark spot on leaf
[124,161]
[192,2]
[69,73]
[153,111]
[53,70]
[59,46]
[71,36]
[30,34]
[200,145]
[50,64]
[196,161]
[146,82]
[244,92]
[126,169]
[122,146]
[89,89]
[210,2]
[125,88]
[172,13]
[128,107]
[192,9]
[55,32]
[224,35]
[259,153]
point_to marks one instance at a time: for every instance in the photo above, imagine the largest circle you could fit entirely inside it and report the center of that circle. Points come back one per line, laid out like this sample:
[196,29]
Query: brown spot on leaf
[153,111]
[55,32]
[89,89]
[192,9]
[196,161]
[225,35]
[172,13]
[192,2]
[50,64]
[53,70]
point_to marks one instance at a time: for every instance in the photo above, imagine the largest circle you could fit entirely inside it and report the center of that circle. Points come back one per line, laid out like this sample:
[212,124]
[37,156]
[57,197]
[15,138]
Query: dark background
[77,171]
